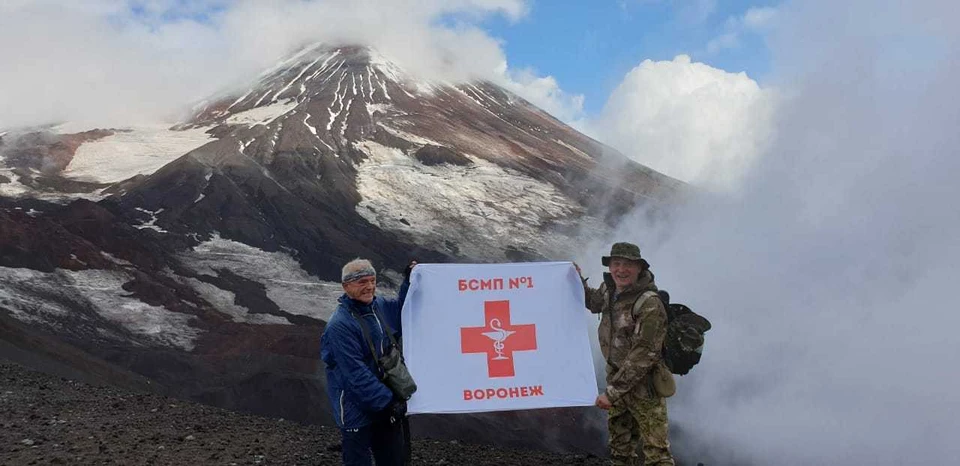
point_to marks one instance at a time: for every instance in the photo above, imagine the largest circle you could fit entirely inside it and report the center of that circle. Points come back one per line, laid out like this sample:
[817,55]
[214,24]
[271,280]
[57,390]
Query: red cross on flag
[494,337]
[498,339]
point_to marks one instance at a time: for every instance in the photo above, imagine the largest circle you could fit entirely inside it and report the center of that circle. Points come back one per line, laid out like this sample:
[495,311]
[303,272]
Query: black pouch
[395,374]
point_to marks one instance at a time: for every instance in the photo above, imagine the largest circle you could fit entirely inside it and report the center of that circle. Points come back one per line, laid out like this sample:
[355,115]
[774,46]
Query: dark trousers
[384,438]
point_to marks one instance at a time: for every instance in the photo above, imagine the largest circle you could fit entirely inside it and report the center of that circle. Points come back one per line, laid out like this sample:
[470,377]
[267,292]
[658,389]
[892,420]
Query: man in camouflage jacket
[631,340]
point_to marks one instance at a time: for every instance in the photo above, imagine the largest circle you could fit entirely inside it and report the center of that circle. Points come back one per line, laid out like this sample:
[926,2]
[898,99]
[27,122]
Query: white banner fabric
[497,337]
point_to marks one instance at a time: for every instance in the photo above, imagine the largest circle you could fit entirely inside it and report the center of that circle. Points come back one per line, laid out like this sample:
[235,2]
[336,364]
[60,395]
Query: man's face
[362,289]
[625,272]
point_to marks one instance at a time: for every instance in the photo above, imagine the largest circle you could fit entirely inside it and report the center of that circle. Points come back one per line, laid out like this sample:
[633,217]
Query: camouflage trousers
[637,421]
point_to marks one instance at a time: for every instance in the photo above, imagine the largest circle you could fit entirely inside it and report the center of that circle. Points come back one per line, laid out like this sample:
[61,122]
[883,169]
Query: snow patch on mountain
[130,152]
[573,149]
[14,188]
[51,298]
[485,206]
[261,115]
[287,284]
[385,66]
[152,223]
[223,301]
[17,295]
[373,109]
[409,137]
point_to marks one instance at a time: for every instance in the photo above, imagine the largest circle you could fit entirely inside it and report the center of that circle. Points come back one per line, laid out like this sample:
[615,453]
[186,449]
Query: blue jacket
[356,393]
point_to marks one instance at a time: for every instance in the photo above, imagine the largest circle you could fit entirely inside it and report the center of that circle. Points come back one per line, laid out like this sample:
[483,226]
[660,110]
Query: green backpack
[683,345]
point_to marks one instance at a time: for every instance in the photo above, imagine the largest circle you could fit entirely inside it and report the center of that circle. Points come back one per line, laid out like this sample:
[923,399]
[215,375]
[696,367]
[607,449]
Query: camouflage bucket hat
[625,250]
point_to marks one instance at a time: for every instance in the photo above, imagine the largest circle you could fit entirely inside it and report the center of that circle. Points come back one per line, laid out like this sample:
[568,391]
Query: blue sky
[589,46]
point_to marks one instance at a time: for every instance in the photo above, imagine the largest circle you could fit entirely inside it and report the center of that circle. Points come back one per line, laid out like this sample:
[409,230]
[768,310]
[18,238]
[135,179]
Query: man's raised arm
[593,297]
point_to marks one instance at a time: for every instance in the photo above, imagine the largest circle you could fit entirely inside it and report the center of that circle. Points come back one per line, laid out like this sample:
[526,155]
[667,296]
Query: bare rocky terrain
[46,419]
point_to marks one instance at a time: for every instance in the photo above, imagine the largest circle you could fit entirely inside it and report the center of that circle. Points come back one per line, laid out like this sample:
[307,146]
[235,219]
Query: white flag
[495,337]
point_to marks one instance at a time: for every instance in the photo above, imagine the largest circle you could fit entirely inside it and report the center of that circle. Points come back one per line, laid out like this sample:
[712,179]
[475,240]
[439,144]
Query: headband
[358,274]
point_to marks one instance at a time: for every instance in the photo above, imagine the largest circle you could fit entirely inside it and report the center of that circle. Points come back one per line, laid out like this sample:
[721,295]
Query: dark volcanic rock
[74,237]
[50,353]
[436,155]
[60,184]
[52,420]
[41,244]
[523,255]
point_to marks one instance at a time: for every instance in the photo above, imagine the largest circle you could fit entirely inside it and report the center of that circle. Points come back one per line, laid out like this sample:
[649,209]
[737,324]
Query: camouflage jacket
[632,343]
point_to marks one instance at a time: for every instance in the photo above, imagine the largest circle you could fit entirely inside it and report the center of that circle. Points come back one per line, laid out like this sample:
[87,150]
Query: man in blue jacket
[370,417]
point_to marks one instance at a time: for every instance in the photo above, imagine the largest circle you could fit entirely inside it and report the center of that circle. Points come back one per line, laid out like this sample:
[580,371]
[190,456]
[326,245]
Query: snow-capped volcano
[209,261]
[327,99]
[468,170]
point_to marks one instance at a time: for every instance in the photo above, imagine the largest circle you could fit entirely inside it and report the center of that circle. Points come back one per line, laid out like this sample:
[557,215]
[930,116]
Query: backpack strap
[639,304]
[636,308]
[386,327]
[366,336]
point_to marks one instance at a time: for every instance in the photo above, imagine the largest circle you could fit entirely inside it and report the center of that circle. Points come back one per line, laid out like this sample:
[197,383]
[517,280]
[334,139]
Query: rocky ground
[53,420]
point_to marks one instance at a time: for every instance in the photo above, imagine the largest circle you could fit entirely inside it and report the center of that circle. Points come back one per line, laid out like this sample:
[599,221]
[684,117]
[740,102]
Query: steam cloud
[829,274]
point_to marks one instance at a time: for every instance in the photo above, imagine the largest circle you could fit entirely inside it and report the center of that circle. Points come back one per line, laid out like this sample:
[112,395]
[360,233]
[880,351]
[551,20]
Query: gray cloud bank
[830,274]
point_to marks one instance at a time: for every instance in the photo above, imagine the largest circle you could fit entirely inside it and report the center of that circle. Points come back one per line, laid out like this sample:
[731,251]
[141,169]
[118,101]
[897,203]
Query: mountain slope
[333,134]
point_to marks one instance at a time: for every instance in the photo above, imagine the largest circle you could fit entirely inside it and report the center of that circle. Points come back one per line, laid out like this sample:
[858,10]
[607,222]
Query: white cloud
[727,40]
[695,11]
[688,120]
[687,11]
[756,20]
[545,93]
[97,61]
[759,18]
